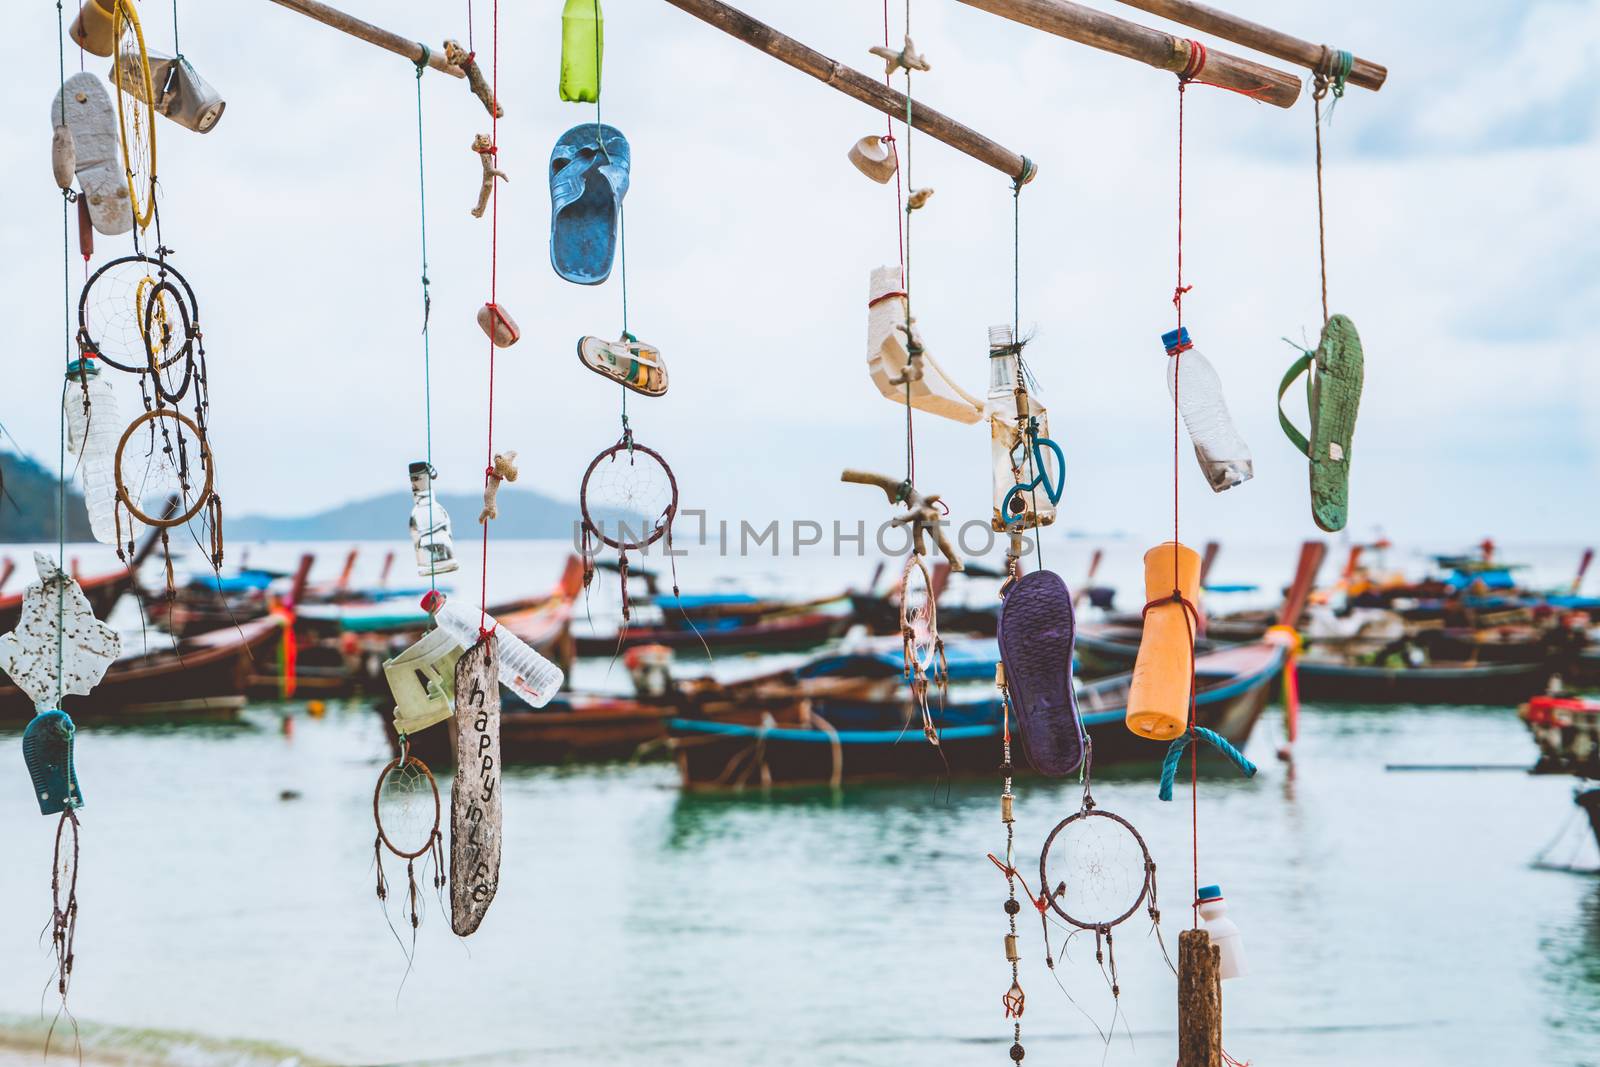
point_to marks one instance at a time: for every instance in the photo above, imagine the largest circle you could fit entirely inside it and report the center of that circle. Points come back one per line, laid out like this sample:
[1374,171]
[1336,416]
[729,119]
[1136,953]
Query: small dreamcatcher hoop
[922,647]
[627,484]
[122,301]
[187,511]
[407,779]
[1110,876]
[136,115]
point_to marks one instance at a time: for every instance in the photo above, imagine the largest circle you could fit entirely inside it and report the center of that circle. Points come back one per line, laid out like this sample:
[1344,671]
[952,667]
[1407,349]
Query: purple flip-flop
[1036,637]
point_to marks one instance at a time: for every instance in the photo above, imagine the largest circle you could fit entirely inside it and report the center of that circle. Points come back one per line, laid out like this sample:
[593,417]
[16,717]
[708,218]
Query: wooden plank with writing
[475,796]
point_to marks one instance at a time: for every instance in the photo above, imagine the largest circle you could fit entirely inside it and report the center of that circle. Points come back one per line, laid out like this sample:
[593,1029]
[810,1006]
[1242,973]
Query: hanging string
[913,350]
[427,308]
[176,50]
[494,298]
[1331,72]
[888,139]
[66,345]
[622,216]
[1180,345]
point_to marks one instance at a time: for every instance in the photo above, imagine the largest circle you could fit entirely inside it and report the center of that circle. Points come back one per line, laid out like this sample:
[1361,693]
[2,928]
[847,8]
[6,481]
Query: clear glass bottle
[430,525]
[93,430]
[1223,455]
[1012,460]
[533,678]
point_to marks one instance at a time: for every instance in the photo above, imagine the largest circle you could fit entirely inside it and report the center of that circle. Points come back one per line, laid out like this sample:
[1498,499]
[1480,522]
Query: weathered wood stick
[858,86]
[1199,1001]
[377,35]
[1160,50]
[475,810]
[1253,35]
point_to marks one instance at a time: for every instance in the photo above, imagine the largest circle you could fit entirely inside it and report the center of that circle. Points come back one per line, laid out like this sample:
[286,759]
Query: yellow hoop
[205,461]
[142,201]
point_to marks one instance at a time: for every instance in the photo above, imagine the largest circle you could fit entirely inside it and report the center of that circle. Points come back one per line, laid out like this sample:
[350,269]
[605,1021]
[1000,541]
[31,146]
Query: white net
[629,497]
[1095,869]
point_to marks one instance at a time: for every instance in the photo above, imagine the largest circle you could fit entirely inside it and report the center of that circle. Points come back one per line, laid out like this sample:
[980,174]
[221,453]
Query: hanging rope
[494,298]
[66,345]
[427,307]
[913,349]
[1331,72]
[1191,615]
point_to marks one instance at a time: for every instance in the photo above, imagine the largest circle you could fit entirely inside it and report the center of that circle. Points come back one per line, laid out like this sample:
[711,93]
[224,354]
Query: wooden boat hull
[103,591]
[1498,684]
[724,754]
[790,633]
[572,729]
[201,679]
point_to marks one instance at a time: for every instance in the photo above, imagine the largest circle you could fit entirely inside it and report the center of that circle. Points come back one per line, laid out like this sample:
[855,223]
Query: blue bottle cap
[1210,892]
[1173,338]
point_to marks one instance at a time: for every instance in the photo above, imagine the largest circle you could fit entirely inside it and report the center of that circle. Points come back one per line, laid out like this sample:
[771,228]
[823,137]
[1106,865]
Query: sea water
[228,914]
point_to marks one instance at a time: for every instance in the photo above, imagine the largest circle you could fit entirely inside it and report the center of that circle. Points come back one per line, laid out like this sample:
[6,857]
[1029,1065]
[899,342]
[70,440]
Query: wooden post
[1160,50]
[1199,1001]
[1312,553]
[1252,35]
[475,795]
[858,86]
[377,35]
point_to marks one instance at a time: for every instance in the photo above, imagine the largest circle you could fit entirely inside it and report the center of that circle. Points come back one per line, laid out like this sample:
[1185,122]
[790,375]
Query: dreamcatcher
[130,73]
[629,499]
[923,648]
[138,314]
[406,811]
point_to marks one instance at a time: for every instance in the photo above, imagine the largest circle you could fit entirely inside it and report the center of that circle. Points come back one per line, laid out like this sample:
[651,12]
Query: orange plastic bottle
[1158,701]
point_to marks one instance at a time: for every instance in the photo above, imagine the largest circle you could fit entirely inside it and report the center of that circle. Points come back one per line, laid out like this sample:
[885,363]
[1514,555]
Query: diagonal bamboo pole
[1161,50]
[858,86]
[366,31]
[1264,39]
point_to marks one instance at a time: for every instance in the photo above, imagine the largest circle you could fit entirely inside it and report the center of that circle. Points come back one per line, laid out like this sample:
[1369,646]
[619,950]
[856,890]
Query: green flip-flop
[1333,392]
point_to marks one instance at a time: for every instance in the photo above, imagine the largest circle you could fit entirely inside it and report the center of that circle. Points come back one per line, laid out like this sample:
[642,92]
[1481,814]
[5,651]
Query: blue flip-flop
[47,750]
[1036,635]
[588,179]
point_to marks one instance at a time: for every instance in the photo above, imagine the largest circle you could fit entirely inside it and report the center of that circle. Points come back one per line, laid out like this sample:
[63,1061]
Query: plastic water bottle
[534,678]
[1224,932]
[430,525]
[92,435]
[1223,455]
[1010,463]
[583,41]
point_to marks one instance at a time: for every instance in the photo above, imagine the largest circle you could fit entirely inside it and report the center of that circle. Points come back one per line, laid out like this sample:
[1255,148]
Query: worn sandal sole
[1036,637]
[1334,398]
[589,354]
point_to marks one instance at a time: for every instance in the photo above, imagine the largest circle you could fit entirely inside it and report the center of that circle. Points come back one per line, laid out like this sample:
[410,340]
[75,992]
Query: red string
[888,139]
[494,295]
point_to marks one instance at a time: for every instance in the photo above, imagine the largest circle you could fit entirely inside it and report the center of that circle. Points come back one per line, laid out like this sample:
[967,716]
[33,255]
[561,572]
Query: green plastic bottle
[583,42]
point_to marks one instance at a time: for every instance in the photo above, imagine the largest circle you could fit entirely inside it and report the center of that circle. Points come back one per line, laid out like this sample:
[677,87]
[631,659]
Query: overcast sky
[1462,221]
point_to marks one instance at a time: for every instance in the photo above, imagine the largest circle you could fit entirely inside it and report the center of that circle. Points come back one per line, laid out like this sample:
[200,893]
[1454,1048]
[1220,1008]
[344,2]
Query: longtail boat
[788,628]
[1567,731]
[201,677]
[103,590]
[818,741]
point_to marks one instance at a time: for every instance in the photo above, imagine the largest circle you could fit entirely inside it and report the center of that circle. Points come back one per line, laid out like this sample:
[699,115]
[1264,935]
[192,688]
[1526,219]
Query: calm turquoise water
[1389,917]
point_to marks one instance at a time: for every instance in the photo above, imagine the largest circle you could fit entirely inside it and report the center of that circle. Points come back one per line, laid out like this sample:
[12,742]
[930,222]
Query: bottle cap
[83,368]
[1175,338]
[1210,892]
[421,466]
[432,601]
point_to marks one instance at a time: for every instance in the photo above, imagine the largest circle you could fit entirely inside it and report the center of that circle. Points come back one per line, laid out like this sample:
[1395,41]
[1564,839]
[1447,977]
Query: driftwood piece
[475,795]
[504,470]
[908,58]
[924,514]
[1199,1001]
[858,86]
[485,148]
[460,57]
[1259,38]
[1161,50]
[366,31]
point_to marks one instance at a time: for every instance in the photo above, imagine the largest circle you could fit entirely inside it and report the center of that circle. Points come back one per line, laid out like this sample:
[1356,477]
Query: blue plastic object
[589,169]
[1209,892]
[1172,338]
[47,750]
[1042,479]
[1169,766]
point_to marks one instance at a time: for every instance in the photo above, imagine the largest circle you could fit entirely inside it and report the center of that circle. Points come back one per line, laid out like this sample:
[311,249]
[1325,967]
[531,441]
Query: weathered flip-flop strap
[1297,368]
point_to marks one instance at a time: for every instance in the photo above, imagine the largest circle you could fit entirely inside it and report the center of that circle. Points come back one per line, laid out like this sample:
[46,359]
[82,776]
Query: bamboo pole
[1199,1001]
[1157,48]
[366,31]
[858,86]
[1264,39]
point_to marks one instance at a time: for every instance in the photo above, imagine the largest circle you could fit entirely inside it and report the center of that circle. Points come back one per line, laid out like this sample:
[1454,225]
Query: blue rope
[61,457]
[1169,766]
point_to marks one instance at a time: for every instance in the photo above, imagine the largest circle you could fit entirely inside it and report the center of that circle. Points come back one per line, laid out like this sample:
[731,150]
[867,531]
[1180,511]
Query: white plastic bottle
[1223,455]
[1010,461]
[93,430]
[1224,932]
[430,525]
[534,678]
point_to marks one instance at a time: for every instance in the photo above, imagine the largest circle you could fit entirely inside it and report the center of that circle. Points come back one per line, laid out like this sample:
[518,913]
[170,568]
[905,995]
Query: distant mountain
[523,514]
[28,503]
